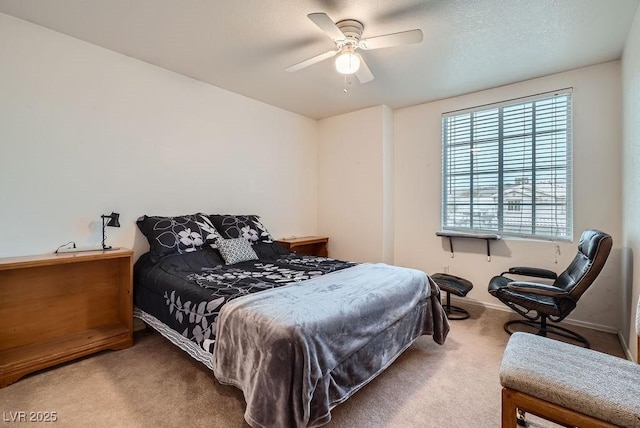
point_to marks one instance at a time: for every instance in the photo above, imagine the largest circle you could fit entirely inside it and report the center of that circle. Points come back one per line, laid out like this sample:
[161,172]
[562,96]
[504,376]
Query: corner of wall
[388,177]
[631,183]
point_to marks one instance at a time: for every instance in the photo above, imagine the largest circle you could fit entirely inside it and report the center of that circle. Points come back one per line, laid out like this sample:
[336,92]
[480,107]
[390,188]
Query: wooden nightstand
[58,307]
[308,245]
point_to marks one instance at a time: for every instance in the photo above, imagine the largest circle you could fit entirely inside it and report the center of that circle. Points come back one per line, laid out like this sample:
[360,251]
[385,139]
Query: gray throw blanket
[298,350]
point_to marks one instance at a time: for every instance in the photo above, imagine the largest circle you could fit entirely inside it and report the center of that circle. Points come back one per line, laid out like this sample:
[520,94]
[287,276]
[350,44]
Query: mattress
[187,298]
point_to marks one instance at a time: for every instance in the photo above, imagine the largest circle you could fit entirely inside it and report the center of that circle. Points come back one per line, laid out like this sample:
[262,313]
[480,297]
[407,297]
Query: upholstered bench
[456,285]
[567,384]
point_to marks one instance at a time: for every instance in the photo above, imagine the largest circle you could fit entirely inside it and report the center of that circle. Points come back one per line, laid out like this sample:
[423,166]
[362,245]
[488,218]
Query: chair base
[544,329]
[455,312]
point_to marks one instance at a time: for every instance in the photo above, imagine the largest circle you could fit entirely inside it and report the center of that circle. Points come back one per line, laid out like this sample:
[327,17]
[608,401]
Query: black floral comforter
[187,291]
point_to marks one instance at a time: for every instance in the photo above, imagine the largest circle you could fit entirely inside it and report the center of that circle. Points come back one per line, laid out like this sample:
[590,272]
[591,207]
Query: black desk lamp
[113,222]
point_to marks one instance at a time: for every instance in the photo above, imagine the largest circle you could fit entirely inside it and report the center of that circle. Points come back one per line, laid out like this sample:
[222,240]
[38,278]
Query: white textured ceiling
[244,46]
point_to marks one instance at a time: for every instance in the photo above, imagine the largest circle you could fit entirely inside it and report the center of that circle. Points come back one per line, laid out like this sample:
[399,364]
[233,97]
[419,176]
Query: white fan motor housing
[351,28]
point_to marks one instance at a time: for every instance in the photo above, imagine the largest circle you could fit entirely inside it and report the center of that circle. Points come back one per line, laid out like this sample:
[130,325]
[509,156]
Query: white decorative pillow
[236,250]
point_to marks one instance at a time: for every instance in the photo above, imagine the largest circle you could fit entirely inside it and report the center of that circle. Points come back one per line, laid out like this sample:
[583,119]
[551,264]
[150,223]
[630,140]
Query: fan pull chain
[347,83]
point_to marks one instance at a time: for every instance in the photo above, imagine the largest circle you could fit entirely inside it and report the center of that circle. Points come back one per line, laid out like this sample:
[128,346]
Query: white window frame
[495,120]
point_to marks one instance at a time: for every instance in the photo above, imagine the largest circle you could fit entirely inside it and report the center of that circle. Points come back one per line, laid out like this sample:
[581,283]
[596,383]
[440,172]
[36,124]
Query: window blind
[507,167]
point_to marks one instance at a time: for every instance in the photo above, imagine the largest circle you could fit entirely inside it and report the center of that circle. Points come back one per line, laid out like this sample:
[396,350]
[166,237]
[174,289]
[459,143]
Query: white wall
[597,191]
[388,189]
[85,131]
[631,182]
[355,199]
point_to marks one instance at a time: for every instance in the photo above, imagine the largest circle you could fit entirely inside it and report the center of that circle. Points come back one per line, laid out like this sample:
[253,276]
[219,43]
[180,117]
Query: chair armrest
[535,288]
[531,271]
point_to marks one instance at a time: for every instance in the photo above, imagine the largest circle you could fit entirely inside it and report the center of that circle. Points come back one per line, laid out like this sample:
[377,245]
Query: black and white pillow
[176,235]
[241,226]
[236,250]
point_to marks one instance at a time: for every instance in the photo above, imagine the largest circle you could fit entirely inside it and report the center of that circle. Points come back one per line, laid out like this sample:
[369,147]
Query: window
[507,168]
[513,206]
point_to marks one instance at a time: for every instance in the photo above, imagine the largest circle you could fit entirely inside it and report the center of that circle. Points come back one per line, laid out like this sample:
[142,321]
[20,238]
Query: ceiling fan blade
[325,23]
[307,62]
[389,40]
[363,74]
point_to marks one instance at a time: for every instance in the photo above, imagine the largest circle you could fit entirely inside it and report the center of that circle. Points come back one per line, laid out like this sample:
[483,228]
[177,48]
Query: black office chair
[539,302]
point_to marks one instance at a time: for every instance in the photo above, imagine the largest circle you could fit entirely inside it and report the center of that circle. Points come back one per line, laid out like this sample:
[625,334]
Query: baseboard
[593,326]
[504,308]
[625,347]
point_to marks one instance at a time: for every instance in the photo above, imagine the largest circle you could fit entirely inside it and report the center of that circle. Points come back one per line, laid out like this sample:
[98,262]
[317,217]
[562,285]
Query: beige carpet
[154,384]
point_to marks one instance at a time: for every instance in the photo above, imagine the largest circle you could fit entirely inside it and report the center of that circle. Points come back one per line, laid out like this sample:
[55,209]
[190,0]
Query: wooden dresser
[308,245]
[57,307]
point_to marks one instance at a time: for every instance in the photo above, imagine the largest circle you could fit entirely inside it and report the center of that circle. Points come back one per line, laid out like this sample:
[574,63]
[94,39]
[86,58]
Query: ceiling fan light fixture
[347,37]
[347,62]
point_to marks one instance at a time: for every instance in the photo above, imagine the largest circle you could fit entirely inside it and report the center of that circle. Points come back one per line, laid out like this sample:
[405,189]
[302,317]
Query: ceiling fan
[346,34]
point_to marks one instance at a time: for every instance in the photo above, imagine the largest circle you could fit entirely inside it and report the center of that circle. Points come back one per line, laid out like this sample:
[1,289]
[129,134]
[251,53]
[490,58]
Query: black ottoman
[456,285]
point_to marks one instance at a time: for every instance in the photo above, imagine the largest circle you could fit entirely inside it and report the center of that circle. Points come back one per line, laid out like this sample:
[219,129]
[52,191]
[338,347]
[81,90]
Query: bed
[297,334]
